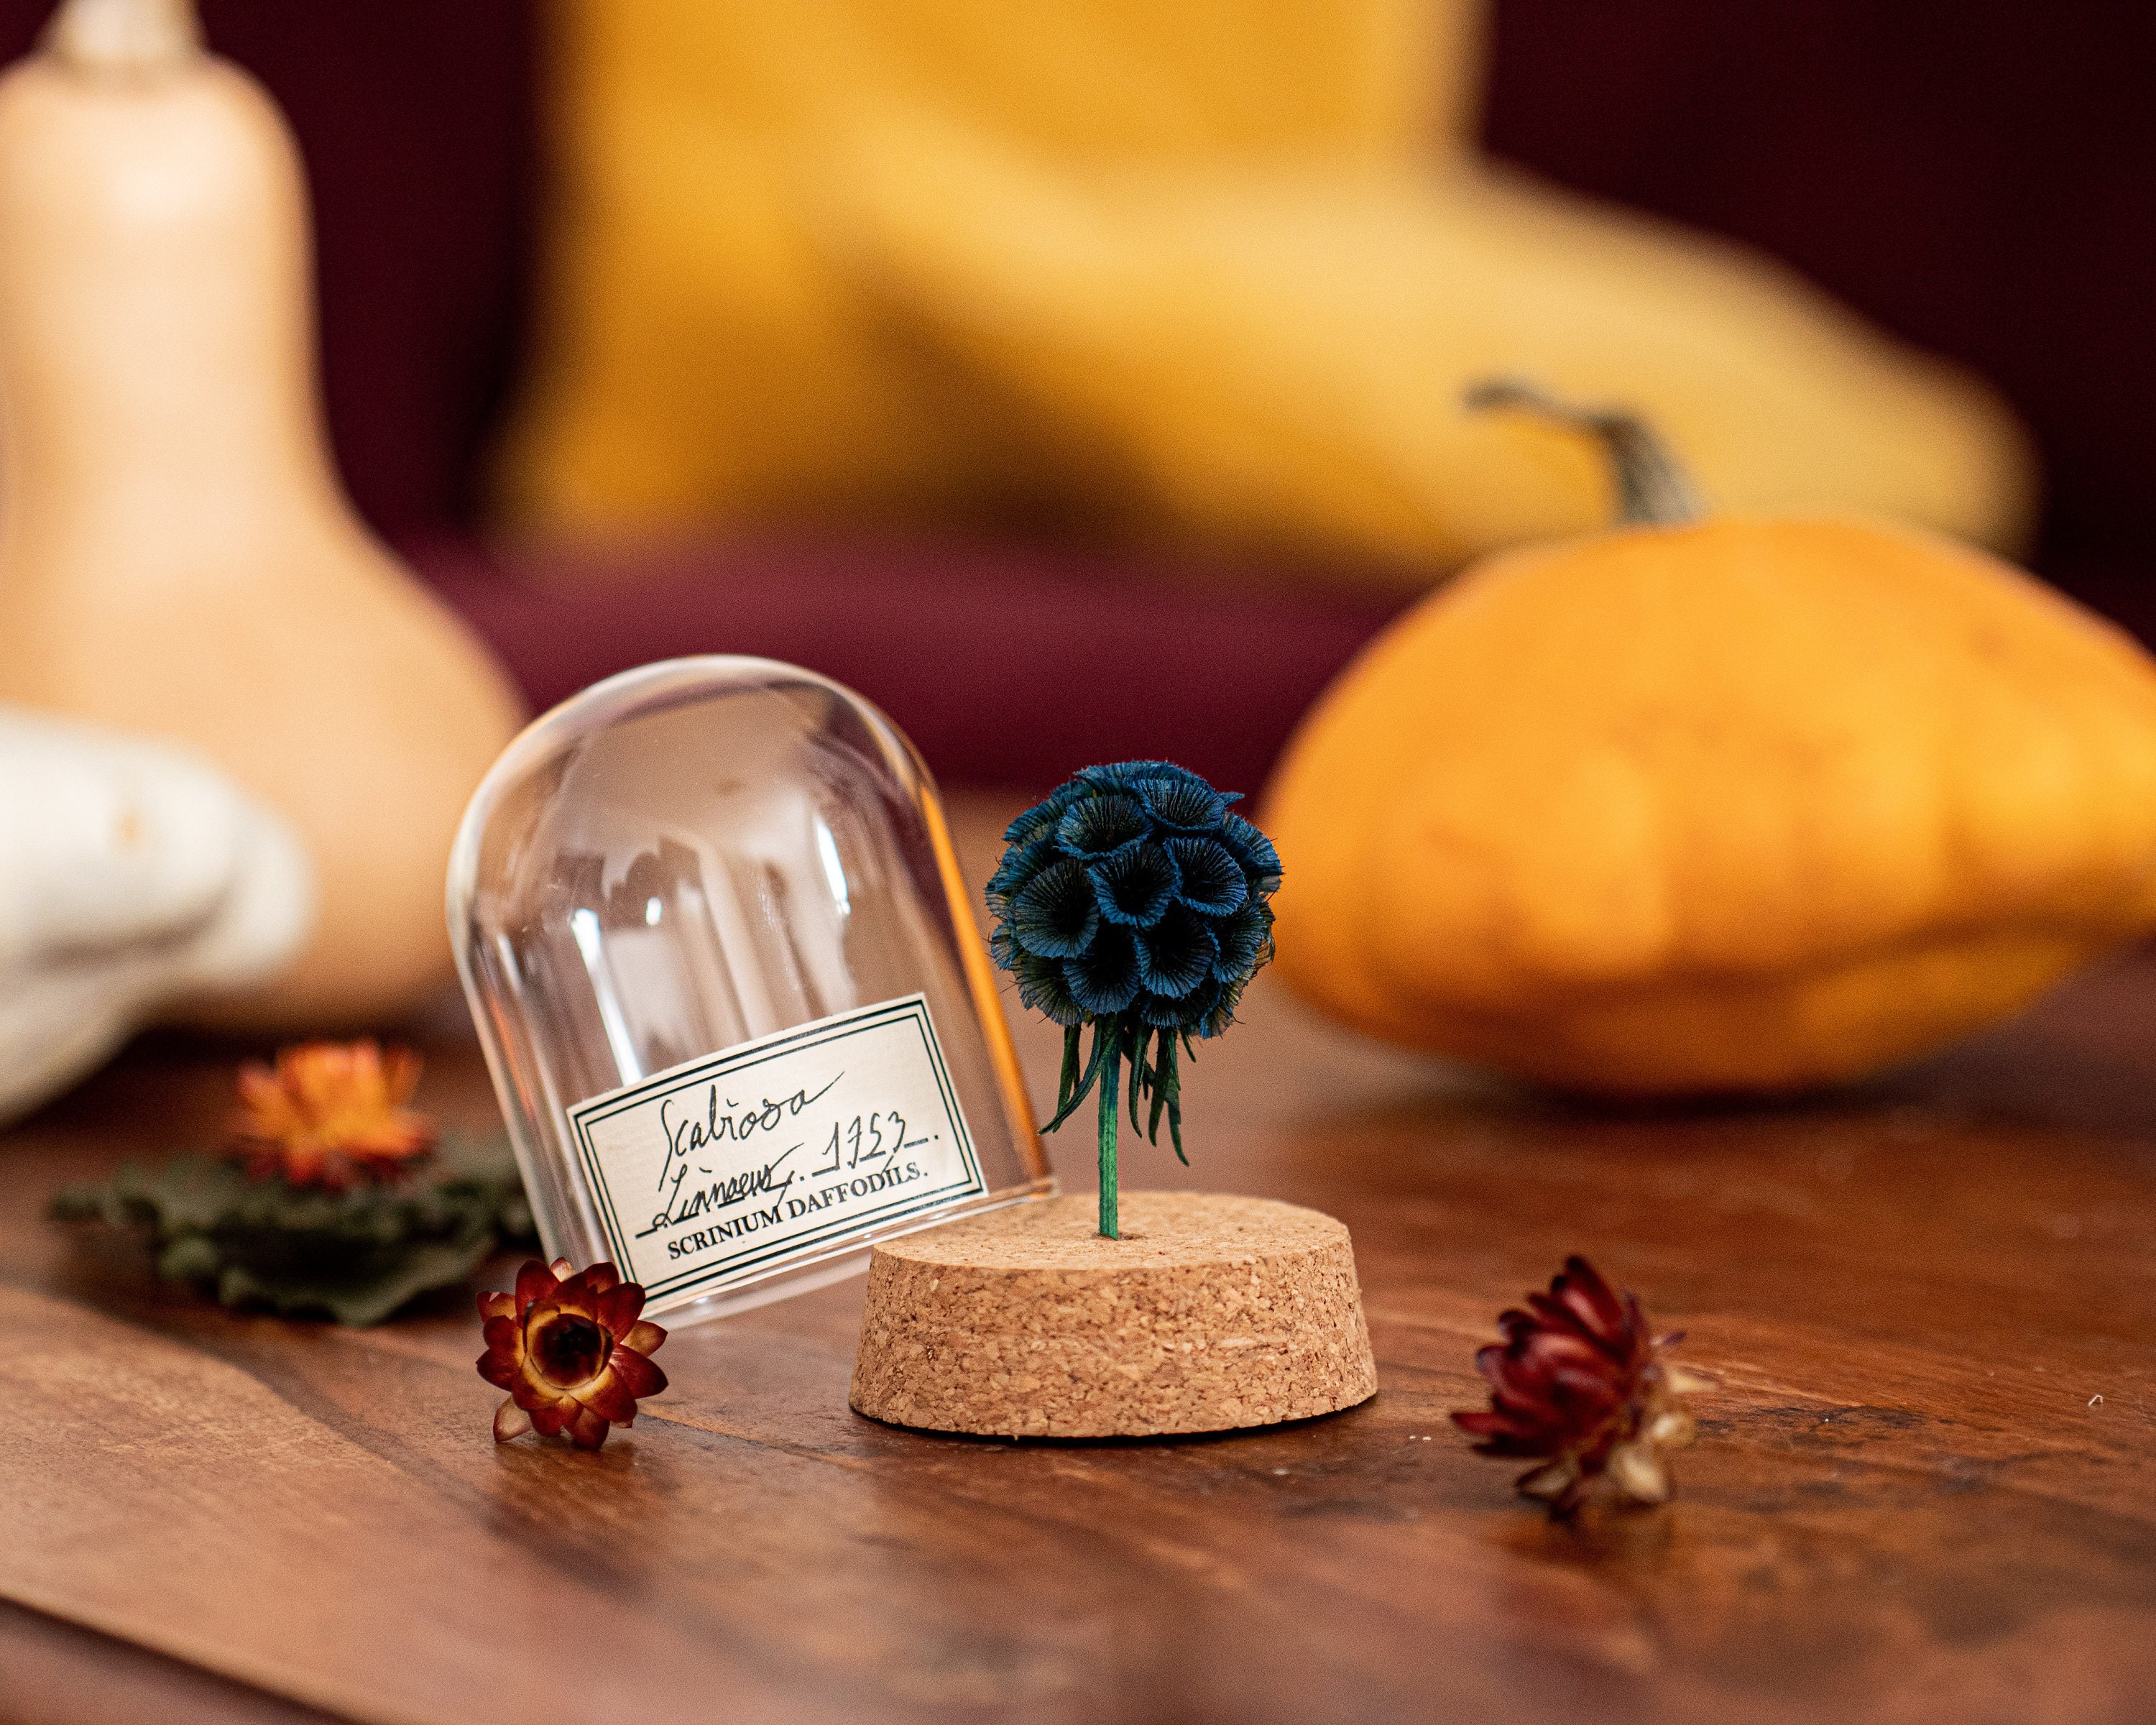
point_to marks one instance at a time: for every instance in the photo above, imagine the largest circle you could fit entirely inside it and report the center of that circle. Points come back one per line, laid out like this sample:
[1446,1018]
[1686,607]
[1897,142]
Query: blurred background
[1972,178]
[1090,380]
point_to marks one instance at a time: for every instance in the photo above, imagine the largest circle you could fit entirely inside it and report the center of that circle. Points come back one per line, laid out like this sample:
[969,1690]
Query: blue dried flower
[1134,899]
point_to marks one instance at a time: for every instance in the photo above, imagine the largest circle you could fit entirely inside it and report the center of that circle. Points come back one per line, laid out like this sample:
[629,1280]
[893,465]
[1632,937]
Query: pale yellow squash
[1212,270]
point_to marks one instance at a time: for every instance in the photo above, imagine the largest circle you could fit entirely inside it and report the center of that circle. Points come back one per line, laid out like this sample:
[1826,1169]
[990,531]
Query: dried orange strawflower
[1578,1383]
[571,1350]
[330,1113]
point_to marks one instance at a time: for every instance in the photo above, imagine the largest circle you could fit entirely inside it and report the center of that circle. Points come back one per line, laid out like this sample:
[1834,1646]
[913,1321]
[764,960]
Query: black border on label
[736,1267]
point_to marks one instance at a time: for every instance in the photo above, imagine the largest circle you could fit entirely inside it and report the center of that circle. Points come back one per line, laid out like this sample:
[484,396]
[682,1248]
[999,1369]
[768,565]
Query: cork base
[1211,1312]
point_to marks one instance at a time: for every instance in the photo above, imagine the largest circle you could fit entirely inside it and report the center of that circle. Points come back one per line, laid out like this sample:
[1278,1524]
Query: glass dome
[737,1011]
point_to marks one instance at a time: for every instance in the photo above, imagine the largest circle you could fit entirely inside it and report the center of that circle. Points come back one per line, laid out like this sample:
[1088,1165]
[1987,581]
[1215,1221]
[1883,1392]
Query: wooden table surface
[1923,1491]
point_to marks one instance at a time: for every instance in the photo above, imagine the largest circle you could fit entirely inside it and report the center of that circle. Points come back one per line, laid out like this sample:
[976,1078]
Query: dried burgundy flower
[331,1113]
[1579,1385]
[571,1350]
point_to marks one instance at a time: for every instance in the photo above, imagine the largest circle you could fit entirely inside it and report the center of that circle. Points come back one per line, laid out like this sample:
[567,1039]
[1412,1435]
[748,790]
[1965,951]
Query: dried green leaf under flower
[355,1255]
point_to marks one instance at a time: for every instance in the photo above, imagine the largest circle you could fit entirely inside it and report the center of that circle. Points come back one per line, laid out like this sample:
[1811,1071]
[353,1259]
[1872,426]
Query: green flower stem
[1109,1076]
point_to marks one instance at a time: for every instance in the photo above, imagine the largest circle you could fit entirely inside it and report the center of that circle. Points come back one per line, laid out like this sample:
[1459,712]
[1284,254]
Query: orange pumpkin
[1719,805]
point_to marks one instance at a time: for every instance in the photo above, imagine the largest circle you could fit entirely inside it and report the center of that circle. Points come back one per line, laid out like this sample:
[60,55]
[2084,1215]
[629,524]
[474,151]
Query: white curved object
[132,875]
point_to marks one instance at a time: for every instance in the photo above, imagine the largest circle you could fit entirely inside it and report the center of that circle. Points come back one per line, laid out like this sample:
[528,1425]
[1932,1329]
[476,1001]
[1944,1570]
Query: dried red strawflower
[571,1350]
[1580,1384]
[331,1113]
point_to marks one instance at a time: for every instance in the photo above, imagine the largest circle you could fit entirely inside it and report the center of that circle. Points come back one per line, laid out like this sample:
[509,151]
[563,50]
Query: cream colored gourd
[177,554]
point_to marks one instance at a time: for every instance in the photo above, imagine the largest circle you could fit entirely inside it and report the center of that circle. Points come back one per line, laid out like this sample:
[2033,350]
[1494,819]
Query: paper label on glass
[719,1169]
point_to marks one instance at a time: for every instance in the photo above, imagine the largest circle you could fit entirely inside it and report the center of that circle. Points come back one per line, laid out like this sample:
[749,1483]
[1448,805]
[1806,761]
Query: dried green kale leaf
[355,1257]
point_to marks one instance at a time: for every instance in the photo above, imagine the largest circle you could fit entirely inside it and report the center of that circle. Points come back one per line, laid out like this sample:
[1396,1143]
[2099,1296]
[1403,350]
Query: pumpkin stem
[124,36]
[1652,490]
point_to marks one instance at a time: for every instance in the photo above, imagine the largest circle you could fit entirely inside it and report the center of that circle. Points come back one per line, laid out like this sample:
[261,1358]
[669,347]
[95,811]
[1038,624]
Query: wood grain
[1922,1494]
[56,1674]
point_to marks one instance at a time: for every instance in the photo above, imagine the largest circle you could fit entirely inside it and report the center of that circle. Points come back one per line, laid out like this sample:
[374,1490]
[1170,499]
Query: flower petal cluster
[1135,900]
[572,1350]
[1134,890]
[1579,1385]
[330,1114]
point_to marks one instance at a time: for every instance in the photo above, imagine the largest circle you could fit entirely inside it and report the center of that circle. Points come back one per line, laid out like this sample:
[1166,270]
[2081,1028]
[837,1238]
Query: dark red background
[1976,175]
